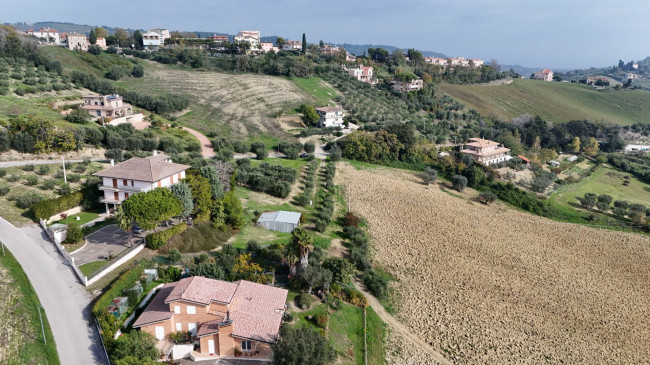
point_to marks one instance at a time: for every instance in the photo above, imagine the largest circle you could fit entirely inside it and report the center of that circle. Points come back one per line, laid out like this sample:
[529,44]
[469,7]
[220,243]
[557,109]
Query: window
[177,309]
[191,309]
[246,345]
[191,328]
[131,182]
[124,182]
[179,327]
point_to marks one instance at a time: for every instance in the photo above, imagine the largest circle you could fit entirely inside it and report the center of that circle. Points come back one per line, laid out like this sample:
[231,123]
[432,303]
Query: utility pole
[349,203]
[41,319]
[65,177]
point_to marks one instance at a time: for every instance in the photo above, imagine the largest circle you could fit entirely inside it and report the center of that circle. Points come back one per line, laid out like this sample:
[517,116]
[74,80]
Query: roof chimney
[112,162]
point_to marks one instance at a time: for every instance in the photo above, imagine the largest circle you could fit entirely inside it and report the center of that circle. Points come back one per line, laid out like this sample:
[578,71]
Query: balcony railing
[129,189]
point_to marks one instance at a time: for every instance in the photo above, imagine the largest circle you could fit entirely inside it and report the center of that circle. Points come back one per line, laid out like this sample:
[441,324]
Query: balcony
[110,201]
[126,188]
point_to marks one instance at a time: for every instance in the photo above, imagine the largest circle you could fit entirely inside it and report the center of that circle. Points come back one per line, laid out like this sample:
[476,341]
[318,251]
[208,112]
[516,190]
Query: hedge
[159,239]
[49,207]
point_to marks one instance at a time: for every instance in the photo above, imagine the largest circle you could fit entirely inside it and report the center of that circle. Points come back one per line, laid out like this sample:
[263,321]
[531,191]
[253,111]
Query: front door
[211,347]
[160,332]
[114,183]
[116,195]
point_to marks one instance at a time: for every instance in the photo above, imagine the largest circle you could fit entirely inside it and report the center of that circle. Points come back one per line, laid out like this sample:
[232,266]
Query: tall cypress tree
[304,44]
[92,37]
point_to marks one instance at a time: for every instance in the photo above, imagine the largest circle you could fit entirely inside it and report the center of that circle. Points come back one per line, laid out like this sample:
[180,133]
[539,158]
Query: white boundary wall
[114,265]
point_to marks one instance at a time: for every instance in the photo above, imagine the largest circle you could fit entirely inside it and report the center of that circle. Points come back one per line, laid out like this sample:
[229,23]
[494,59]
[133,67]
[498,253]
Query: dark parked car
[137,229]
[303,155]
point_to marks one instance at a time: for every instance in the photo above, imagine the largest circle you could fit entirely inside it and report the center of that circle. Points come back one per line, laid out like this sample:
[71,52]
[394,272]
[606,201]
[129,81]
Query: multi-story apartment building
[486,151]
[222,317]
[106,106]
[137,175]
[330,116]
[249,36]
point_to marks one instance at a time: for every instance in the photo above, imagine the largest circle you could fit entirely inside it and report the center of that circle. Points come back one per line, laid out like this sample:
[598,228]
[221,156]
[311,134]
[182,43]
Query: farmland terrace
[486,283]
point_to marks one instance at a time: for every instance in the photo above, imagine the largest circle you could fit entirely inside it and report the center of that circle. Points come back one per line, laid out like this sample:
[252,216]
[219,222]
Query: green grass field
[22,339]
[316,87]
[346,335]
[84,217]
[554,101]
[91,267]
[604,181]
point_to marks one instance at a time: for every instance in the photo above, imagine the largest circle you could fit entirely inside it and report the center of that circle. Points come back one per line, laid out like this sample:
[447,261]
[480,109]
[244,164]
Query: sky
[533,33]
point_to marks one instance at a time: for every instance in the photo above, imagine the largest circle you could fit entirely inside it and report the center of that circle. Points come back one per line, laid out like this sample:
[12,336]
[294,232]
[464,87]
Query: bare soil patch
[493,285]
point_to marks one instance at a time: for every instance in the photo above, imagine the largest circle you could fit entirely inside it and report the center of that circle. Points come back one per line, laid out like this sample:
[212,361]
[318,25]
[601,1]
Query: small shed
[554,163]
[281,221]
[572,158]
[524,159]
[58,232]
[118,306]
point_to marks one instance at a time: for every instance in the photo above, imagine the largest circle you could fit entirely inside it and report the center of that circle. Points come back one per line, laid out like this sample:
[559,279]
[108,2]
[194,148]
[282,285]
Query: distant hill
[63,27]
[554,101]
[360,49]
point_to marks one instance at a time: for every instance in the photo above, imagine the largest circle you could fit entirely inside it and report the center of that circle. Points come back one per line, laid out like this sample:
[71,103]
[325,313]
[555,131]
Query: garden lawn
[316,87]
[84,217]
[91,267]
[346,335]
[21,341]
[608,181]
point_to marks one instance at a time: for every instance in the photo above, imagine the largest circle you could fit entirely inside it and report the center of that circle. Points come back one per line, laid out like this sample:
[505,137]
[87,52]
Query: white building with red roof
[330,116]
[49,35]
[220,316]
[546,75]
[363,74]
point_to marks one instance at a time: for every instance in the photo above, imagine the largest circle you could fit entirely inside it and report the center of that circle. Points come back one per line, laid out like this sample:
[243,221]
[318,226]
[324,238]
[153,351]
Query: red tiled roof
[523,158]
[157,310]
[142,169]
[546,71]
[256,311]
[479,142]
[203,290]
[208,328]
[328,109]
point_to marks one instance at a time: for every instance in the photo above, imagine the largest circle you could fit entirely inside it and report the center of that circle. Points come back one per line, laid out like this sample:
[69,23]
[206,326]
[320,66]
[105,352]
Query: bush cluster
[304,197]
[325,198]
[274,180]
[159,239]
[49,207]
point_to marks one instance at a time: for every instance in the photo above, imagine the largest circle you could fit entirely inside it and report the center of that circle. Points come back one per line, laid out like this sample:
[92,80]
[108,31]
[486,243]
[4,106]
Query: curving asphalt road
[65,300]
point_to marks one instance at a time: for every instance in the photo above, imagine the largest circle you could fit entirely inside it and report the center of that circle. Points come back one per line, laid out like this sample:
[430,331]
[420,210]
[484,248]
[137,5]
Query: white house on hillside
[76,42]
[363,74]
[249,36]
[412,85]
[49,35]
[292,46]
[138,175]
[545,74]
[330,116]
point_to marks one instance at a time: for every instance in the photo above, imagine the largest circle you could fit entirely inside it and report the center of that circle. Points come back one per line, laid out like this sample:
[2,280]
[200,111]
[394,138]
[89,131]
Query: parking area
[109,240]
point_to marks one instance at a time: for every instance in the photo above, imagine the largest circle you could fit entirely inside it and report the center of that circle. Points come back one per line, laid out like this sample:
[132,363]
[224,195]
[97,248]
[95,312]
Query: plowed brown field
[493,285]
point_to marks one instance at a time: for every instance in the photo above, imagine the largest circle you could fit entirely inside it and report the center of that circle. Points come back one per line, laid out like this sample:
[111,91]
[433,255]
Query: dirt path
[206,146]
[397,326]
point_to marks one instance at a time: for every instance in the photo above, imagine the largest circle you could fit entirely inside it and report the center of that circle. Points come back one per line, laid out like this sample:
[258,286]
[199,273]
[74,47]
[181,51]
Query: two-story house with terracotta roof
[486,151]
[363,74]
[106,106]
[221,316]
[137,175]
[546,75]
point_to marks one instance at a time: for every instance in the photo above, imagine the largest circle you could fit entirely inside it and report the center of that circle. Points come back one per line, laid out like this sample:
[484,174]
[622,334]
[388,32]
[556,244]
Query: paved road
[42,162]
[65,301]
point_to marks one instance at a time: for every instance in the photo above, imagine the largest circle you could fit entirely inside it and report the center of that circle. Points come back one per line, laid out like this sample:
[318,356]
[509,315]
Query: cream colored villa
[486,151]
[106,106]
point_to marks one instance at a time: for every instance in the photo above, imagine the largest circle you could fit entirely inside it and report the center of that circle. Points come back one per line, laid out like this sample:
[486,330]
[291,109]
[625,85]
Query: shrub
[74,233]
[46,208]
[3,172]
[137,71]
[304,300]
[32,180]
[310,147]
[429,175]
[4,190]
[80,168]
[351,220]
[116,72]
[26,200]
[159,239]
[487,197]
[174,255]
[459,182]
[377,284]
[13,178]
[47,185]
[43,170]
[78,115]
[74,178]
[321,320]
[28,167]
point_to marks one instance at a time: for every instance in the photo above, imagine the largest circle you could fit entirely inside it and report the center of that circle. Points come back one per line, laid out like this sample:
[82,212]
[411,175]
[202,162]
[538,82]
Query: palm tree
[124,223]
[300,246]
